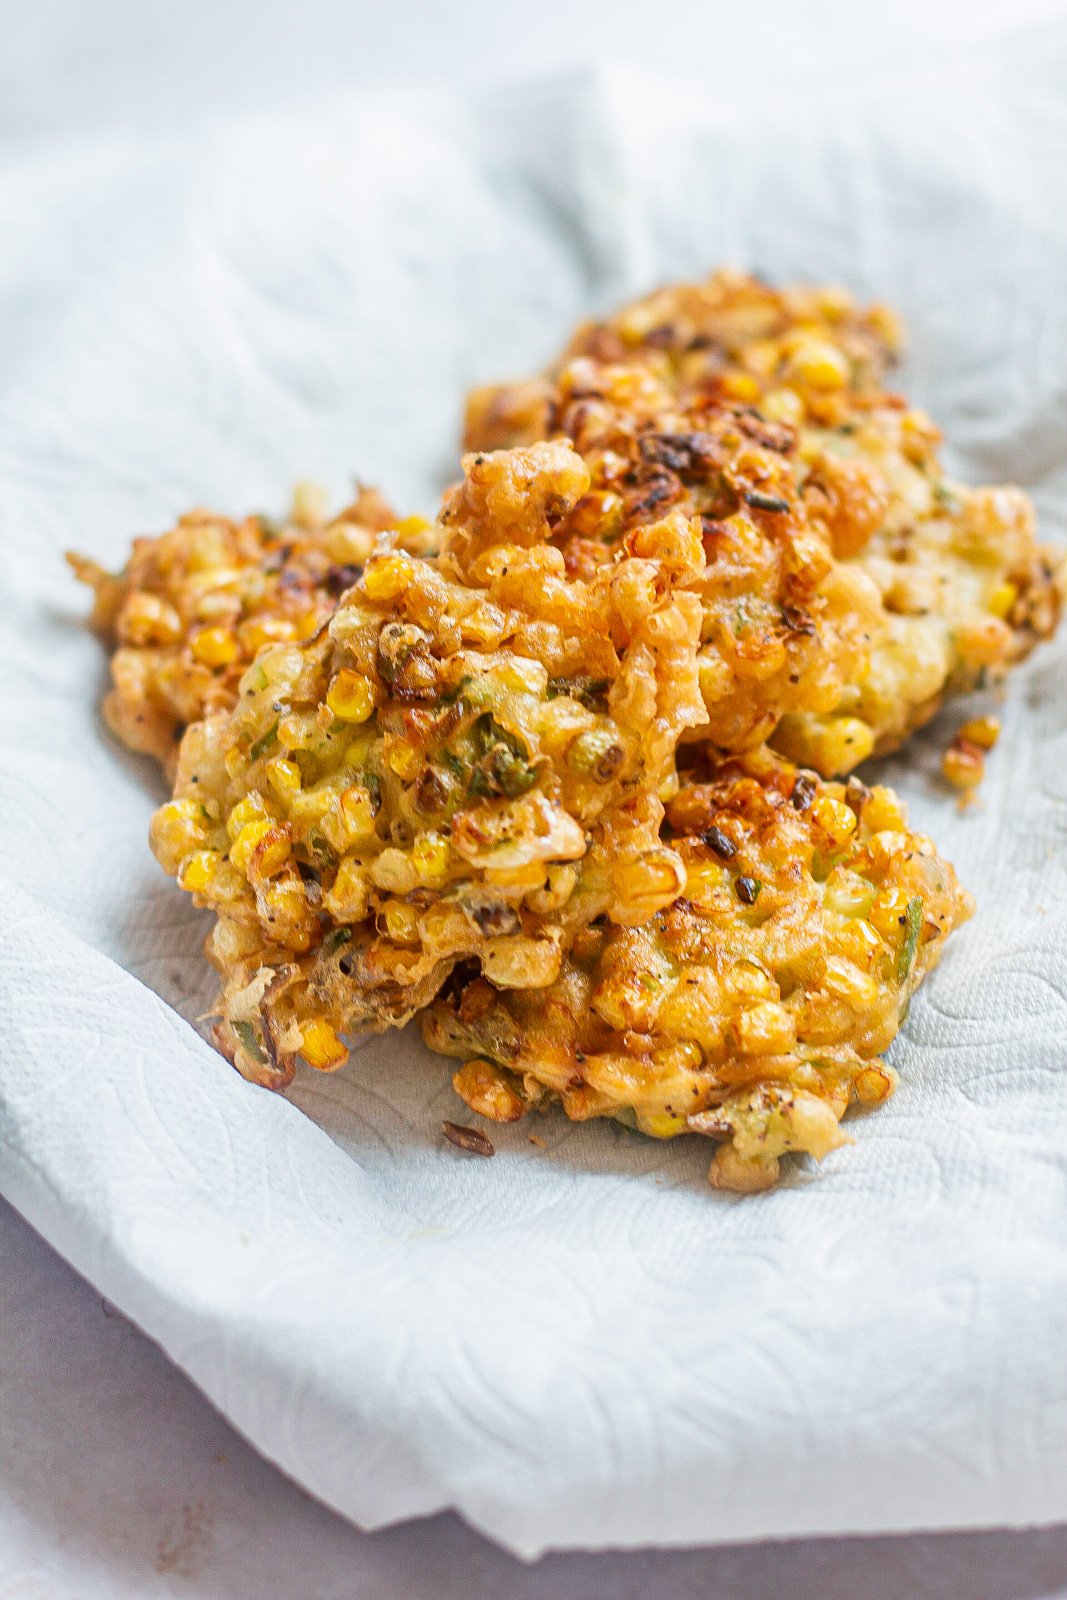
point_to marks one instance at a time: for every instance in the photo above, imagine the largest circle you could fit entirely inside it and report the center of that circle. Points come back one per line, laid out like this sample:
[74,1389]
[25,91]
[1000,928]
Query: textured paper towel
[581,1344]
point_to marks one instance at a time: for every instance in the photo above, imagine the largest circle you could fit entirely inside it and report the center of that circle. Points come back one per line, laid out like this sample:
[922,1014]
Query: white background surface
[115,1477]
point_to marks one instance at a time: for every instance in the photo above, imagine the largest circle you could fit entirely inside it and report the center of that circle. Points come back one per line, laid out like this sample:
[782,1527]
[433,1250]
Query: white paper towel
[582,1344]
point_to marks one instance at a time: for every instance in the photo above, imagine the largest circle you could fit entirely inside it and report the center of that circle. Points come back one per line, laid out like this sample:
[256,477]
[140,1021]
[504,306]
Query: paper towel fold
[581,1344]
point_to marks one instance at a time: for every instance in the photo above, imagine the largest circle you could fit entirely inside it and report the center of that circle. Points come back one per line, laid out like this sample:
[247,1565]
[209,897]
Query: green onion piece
[913,921]
[268,741]
[249,1041]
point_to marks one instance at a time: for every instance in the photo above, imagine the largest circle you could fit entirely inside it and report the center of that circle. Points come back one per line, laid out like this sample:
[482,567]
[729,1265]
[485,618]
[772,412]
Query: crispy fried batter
[449,770]
[192,607]
[755,1008]
[955,587]
[785,626]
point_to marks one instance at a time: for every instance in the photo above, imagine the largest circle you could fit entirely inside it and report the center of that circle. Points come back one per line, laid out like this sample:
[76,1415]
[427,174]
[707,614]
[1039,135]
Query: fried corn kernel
[198,871]
[349,896]
[284,778]
[756,1032]
[215,647]
[982,731]
[963,764]
[178,829]
[192,608]
[388,576]
[351,696]
[914,588]
[489,1091]
[452,827]
[321,1048]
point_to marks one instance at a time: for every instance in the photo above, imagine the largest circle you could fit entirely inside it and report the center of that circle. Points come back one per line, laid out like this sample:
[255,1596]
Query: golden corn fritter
[753,1009]
[447,771]
[192,607]
[785,626]
[956,589]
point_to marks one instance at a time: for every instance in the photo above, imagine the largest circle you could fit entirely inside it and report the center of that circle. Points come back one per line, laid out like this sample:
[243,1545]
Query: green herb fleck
[267,742]
[913,921]
[250,1041]
[589,692]
[453,695]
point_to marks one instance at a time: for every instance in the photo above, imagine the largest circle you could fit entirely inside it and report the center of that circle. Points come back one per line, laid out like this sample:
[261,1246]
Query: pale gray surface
[119,1482]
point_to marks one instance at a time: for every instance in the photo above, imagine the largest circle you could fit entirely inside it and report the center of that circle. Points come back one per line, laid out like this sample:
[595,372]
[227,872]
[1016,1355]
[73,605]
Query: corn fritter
[956,588]
[755,1008]
[193,606]
[448,770]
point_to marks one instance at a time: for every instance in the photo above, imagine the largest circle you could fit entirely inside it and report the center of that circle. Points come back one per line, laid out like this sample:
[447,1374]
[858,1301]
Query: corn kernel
[860,942]
[246,841]
[807,559]
[1002,599]
[875,1083]
[740,386]
[685,1055]
[285,911]
[348,543]
[258,632]
[705,879]
[832,302]
[388,576]
[766,1029]
[347,900]
[555,892]
[963,765]
[984,643]
[749,981]
[742,1174]
[819,364]
[834,817]
[812,1125]
[403,759]
[661,1124]
[177,830]
[529,875]
[889,912]
[885,324]
[489,1091]
[783,405]
[982,731]
[146,619]
[884,811]
[284,777]
[411,530]
[517,962]
[309,504]
[320,1047]
[401,922]
[251,809]
[198,871]
[844,978]
[350,696]
[393,871]
[918,435]
[648,883]
[307,625]
[429,855]
[216,647]
[847,893]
